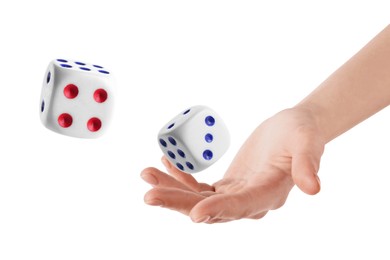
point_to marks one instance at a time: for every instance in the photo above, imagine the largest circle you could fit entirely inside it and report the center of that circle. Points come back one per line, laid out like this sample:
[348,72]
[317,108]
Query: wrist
[317,116]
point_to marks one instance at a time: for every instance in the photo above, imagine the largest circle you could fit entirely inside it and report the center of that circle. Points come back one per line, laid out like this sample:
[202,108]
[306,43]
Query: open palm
[284,150]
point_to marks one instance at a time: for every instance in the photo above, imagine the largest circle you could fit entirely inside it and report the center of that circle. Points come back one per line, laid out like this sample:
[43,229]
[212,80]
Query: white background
[68,198]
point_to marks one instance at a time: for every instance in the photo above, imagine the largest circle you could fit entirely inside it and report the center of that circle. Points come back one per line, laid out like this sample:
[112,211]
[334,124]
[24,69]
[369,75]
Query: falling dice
[77,98]
[194,139]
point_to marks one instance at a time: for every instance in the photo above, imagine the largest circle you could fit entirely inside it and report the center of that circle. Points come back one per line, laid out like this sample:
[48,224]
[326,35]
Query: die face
[82,67]
[181,119]
[76,102]
[206,136]
[46,93]
[200,134]
[179,155]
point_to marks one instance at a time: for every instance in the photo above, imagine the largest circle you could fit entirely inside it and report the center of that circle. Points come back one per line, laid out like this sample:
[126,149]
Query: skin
[286,149]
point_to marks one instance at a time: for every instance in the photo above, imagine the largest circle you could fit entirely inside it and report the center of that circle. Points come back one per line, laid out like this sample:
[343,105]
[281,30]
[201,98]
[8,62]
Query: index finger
[185,178]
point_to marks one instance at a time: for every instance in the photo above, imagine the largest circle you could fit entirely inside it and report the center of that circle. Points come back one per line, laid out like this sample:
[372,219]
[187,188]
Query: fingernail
[154,202]
[318,179]
[149,178]
[202,219]
[166,162]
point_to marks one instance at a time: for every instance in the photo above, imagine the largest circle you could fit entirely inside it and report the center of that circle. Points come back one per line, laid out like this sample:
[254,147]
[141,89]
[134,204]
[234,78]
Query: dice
[194,139]
[77,98]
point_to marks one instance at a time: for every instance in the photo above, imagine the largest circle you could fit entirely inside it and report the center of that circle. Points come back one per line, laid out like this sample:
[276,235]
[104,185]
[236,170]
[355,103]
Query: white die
[77,98]
[194,139]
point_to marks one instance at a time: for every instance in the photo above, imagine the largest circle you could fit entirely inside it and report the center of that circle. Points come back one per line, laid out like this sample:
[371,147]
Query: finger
[176,199]
[207,193]
[204,187]
[157,178]
[185,178]
[248,203]
[304,173]
[218,220]
[233,206]
[259,215]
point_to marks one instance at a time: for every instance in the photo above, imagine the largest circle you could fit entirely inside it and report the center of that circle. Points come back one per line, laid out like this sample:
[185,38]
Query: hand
[284,150]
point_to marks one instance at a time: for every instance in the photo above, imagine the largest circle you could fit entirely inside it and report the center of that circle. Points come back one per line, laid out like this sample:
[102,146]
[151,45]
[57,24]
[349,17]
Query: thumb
[304,172]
